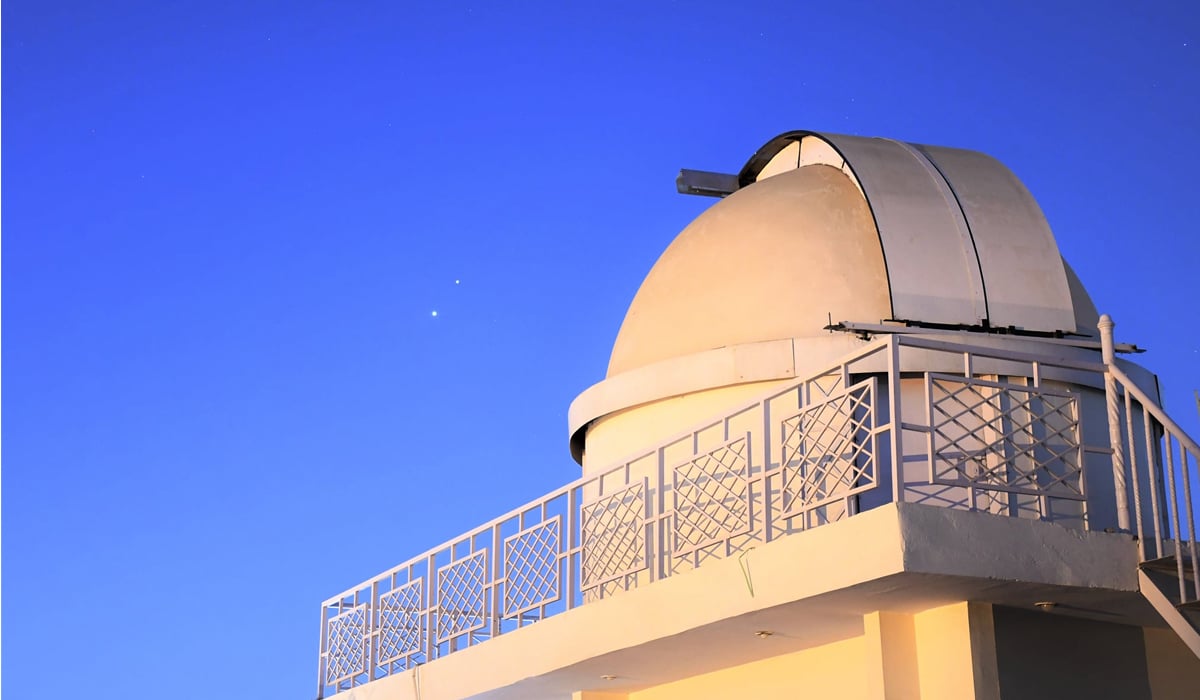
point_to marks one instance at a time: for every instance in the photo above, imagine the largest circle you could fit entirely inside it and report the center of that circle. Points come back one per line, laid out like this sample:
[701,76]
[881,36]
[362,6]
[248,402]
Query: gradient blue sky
[226,226]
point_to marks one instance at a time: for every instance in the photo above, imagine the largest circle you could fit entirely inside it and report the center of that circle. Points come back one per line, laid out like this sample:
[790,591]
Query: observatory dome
[821,229]
[775,260]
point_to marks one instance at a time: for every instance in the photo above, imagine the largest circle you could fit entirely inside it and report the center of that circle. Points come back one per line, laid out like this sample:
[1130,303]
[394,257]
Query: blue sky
[227,225]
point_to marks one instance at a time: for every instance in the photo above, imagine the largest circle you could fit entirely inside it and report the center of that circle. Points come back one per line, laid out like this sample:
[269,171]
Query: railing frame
[1174,531]
[729,484]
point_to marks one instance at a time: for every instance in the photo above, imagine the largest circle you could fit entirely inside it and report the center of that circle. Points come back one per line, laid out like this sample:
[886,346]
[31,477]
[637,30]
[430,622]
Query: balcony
[1032,429]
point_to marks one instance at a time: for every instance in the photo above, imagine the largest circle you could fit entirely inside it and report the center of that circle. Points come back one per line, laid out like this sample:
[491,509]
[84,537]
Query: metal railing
[979,428]
[1155,464]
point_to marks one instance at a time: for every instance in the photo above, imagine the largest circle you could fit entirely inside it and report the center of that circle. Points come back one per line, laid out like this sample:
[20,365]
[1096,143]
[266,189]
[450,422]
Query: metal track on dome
[897,326]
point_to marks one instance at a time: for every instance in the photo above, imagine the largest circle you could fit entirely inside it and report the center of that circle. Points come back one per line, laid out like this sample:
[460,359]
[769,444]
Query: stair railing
[1154,454]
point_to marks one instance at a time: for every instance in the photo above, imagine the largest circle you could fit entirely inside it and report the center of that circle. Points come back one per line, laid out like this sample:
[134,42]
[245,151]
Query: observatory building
[862,435]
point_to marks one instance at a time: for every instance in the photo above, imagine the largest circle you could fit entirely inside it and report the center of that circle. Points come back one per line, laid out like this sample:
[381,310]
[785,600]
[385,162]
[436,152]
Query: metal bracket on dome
[867,330]
[705,183]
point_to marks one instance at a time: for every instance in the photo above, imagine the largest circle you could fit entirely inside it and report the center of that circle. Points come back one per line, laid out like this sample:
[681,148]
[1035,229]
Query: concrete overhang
[808,589]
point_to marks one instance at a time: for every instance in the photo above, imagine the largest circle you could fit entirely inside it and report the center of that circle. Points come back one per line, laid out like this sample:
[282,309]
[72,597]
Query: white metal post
[321,658]
[1108,353]
[896,434]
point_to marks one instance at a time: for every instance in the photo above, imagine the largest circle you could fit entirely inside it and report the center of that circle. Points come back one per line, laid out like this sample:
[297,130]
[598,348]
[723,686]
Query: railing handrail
[932,343]
[859,353]
[1156,411]
[436,549]
[774,469]
[878,343]
[1170,522]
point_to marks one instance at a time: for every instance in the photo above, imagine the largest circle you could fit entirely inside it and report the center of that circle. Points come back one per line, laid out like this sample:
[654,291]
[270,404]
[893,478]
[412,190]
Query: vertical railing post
[321,658]
[895,436]
[431,607]
[498,589]
[1108,352]
[372,625]
[1133,476]
[574,554]
[1154,462]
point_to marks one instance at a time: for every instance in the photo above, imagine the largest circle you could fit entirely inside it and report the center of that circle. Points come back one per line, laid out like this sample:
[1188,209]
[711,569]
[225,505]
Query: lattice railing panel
[531,566]
[614,535]
[347,636]
[829,450]
[712,497]
[825,386]
[401,623]
[462,603]
[1005,437]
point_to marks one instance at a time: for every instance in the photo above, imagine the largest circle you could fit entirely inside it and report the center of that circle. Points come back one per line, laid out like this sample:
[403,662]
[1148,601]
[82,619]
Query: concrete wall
[945,653]
[961,651]
[1174,670]
[1042,655]
[831,671]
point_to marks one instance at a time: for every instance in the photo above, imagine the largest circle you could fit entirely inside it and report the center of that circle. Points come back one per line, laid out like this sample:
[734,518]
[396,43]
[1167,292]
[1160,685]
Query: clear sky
[226,227]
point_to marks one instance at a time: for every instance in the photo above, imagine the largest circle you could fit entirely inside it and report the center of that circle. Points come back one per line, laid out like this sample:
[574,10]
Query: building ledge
[806,590]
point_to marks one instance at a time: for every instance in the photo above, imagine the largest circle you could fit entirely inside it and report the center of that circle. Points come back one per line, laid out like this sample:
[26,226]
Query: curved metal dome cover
[962,242]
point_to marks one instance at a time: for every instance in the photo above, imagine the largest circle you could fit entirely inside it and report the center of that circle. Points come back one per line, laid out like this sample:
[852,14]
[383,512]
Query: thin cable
[746,571]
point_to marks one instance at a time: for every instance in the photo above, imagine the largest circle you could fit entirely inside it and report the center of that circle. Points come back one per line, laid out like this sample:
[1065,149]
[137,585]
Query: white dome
[834,228]
[775,260]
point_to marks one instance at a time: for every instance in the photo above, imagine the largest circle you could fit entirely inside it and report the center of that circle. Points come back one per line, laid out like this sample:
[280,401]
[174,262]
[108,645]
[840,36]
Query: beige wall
[956,655]
[945,653]
[831,671]
[962,651]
